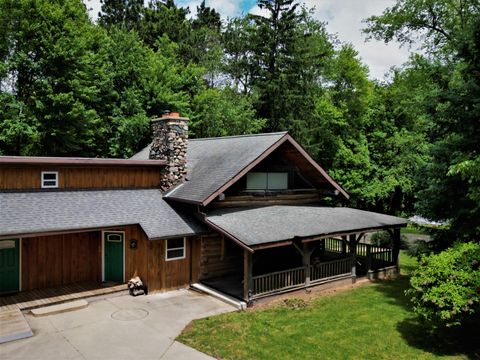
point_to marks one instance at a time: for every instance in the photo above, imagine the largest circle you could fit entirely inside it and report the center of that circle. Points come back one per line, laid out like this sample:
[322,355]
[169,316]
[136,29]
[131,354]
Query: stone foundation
[390,272]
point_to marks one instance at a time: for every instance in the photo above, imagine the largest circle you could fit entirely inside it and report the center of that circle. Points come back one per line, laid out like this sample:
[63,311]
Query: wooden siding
[49,261]
[56,260]
[213,260]
[148,262]
[16,178]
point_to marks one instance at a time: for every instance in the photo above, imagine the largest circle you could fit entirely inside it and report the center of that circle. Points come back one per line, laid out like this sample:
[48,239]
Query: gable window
[49,179]
[175,249]
[267,181]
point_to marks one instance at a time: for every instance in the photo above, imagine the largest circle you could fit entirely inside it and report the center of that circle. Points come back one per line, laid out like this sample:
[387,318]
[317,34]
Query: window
[49,179]
[114,238]
[267,181]
[175,249]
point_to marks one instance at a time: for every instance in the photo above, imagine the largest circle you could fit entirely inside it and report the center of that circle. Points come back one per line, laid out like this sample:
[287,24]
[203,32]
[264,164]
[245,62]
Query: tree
[207,17]
[445,288]
[439,25]
[222,113]
[273,45]
[451,33]
[126,14]
[49,68]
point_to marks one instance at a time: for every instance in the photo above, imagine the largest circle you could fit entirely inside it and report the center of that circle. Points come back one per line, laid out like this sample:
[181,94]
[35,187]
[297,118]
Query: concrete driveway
[121,327]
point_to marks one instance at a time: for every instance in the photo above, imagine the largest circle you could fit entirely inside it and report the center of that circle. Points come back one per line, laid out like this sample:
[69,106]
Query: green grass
[415,230]
[373,321]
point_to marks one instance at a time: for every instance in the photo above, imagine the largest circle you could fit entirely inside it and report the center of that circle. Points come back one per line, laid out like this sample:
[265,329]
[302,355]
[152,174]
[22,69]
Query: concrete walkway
[120,327]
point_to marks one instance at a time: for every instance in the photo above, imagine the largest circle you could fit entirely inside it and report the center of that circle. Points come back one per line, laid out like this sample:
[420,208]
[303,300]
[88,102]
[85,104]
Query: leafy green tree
[224,112]
[238,63]
[439,25]
[48,60]
[349,92]
[451,31]
[445,288]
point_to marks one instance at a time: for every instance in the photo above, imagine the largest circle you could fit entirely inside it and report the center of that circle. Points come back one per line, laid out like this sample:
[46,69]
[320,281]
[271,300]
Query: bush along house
[242,215]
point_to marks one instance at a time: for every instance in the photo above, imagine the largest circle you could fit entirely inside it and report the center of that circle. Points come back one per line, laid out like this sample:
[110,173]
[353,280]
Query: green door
[9,266]
[113,256]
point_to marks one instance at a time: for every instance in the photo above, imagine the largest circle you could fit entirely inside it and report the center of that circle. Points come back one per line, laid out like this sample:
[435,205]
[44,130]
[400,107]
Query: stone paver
[121,327]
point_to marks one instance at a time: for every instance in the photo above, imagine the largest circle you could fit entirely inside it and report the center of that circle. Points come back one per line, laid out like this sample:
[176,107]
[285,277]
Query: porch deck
[37,298]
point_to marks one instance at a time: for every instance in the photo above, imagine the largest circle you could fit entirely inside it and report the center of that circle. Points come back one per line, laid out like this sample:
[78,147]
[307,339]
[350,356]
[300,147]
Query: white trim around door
[103,251]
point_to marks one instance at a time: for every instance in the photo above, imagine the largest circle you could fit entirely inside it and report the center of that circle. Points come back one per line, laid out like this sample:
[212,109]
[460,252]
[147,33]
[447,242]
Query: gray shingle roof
[213,162]
[32,212]
[261,225]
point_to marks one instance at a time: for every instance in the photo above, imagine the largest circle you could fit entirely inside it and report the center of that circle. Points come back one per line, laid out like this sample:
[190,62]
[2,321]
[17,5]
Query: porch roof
[29,213]
[255,227]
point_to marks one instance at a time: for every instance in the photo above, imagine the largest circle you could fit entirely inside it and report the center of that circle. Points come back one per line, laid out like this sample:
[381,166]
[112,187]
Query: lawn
[373,321]
[415,230]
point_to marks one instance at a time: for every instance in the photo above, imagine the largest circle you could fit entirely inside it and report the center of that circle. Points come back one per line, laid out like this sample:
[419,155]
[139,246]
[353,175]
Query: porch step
[240,305]
[13,326]
[60,308]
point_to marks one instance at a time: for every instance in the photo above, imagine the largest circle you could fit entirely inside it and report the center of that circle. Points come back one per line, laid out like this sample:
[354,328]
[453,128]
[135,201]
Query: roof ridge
[240,136]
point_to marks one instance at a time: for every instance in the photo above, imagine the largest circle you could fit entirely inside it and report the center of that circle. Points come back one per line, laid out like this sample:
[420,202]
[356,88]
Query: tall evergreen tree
[126,14]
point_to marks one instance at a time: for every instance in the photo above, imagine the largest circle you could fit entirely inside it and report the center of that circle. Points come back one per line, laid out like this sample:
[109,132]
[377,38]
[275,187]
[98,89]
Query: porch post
[306,263]
[369,257]
[247,275]
[353,252]
[396,248]
[344,245]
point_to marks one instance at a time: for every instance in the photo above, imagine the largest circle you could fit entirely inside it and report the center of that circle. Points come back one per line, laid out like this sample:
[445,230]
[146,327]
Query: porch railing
[330,269]
[278,280]
[375,256]
[297,277]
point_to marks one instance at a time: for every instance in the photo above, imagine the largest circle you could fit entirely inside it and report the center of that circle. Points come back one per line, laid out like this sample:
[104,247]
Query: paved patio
[121,327]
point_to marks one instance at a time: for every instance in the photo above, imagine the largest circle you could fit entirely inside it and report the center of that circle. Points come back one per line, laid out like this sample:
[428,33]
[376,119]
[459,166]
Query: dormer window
[49,179]
[267,181]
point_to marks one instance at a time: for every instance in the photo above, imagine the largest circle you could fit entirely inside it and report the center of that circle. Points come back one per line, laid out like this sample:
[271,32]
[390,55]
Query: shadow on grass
[421,335]
[454,341]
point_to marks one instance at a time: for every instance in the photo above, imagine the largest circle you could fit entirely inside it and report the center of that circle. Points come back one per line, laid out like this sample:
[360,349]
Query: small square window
[49,179]
[175,249]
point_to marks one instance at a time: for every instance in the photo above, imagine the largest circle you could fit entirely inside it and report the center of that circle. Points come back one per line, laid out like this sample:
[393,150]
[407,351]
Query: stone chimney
[170,140]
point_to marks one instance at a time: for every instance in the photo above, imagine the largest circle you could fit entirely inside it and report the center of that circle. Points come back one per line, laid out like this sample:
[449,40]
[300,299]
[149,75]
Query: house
[243,214]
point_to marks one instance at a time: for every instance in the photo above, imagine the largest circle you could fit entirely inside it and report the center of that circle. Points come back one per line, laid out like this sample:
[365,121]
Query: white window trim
[49,186]
[178,248]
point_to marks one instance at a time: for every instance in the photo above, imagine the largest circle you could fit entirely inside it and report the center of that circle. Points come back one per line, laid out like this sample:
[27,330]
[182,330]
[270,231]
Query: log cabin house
[244,215]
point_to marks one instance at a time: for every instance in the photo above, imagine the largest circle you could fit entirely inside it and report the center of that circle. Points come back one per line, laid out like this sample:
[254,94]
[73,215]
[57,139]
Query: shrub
[446,286]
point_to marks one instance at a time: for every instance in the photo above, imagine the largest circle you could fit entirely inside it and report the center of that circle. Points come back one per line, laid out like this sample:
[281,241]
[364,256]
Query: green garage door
[9,266]
[113,256]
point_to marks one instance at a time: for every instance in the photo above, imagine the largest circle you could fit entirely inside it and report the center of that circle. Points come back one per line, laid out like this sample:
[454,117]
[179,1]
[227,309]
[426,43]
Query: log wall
[214,262]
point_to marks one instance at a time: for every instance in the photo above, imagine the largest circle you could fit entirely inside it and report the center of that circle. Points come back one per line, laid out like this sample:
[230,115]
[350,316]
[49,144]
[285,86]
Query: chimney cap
[168,113]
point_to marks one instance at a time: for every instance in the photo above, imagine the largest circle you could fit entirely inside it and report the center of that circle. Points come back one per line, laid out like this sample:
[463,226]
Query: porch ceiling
[255,227]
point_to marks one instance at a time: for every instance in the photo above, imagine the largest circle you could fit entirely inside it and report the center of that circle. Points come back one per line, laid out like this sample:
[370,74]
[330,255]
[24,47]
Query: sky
[342,17]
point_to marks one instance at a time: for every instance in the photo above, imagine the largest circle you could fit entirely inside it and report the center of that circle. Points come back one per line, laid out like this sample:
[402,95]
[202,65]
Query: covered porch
[287,248]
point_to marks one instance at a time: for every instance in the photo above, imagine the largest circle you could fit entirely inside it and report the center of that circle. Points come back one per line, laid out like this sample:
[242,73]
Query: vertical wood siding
[49,261]
[15,178]
[55,260]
